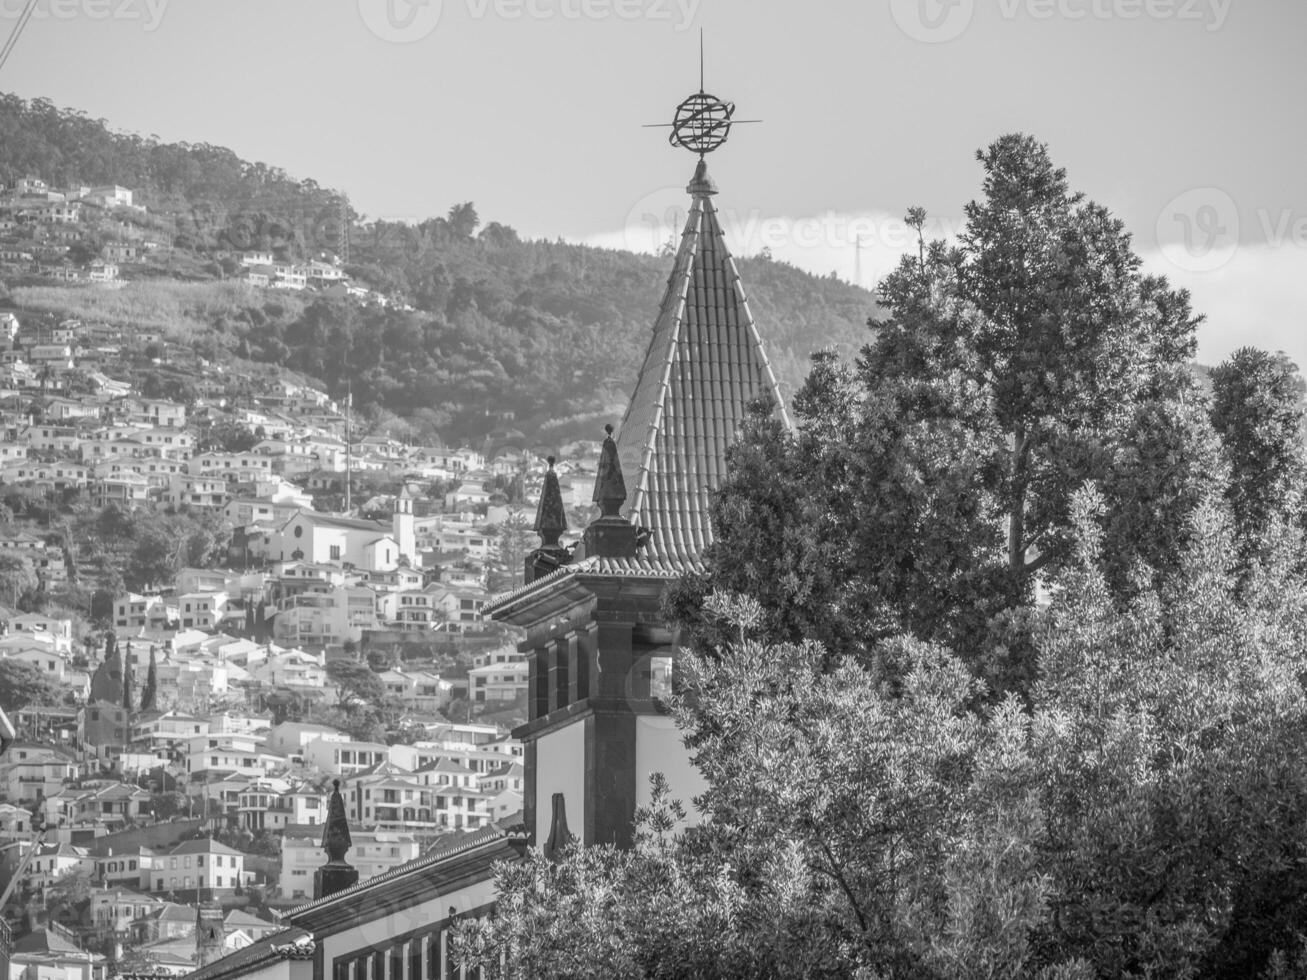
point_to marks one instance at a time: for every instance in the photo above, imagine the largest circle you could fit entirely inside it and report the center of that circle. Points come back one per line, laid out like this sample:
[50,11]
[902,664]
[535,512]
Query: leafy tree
[363,724]
[21,685]
[463,220]
[1257,409]
[165,806]
[927,487]
[17,578]
[225,435]
[69,897]
[1144,814]
[355,681]
[153,559]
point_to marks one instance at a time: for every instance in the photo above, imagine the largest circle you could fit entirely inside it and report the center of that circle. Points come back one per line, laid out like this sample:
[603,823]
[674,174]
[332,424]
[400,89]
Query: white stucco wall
[560,768]
[658,748]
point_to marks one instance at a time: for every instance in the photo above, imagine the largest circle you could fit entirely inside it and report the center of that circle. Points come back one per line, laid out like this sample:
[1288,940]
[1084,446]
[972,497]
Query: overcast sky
[1183,116]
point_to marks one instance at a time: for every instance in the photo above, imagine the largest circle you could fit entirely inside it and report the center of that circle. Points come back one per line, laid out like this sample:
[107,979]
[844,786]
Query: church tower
[599,651]
[402,526]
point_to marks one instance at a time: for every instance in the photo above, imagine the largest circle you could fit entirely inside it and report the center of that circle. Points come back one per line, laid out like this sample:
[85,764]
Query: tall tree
[107,681]
[129,679]
[151,692]
[928,486]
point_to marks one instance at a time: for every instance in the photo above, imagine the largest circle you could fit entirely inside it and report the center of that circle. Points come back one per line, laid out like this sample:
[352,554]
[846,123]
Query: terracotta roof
[704,366]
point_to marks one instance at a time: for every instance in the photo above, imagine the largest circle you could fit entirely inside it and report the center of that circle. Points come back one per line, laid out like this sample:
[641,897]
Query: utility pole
[344,229]
[349,439]
[857,261]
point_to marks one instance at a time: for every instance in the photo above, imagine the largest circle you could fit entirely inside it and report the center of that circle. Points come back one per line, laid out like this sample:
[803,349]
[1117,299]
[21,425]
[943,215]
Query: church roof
[705,364]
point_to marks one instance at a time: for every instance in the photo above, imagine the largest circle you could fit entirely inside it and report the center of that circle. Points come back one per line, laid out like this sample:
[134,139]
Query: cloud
[1257,299]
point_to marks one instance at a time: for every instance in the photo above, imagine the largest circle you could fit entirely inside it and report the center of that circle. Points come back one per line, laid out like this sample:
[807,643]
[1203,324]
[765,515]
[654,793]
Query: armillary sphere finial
[702,122]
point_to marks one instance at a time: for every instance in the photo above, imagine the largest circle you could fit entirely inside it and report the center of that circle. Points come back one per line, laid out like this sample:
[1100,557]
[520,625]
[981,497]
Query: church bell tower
[600,653]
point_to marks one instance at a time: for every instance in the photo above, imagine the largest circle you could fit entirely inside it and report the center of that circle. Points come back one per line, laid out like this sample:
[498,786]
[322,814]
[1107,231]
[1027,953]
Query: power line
[23,18]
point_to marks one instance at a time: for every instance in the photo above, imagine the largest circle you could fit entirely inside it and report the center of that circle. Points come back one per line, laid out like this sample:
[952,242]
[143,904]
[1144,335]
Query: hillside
[474,331]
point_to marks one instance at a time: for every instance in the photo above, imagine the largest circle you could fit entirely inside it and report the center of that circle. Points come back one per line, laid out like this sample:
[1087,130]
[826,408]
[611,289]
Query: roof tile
[704,365]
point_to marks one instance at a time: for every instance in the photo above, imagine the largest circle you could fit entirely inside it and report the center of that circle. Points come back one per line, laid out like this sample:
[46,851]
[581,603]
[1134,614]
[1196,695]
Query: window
[335,552]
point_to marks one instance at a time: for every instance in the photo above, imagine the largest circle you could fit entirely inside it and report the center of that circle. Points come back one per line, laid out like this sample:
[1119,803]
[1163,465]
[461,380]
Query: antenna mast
[349,443]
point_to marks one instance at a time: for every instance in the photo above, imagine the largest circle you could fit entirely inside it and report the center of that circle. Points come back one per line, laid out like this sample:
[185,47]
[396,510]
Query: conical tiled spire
[610,486]
[551,522]
[551,515]
[704,366]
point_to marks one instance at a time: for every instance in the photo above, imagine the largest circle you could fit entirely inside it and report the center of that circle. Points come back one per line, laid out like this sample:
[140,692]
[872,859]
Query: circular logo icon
[932,21]
[400,21]
[1198,231]
[654,224]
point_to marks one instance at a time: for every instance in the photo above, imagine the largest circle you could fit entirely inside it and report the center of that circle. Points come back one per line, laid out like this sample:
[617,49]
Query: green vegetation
[998,659]
[503,335]
[22,684]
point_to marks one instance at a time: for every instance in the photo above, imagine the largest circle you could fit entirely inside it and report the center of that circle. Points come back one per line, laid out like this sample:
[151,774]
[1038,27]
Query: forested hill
[501,333]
